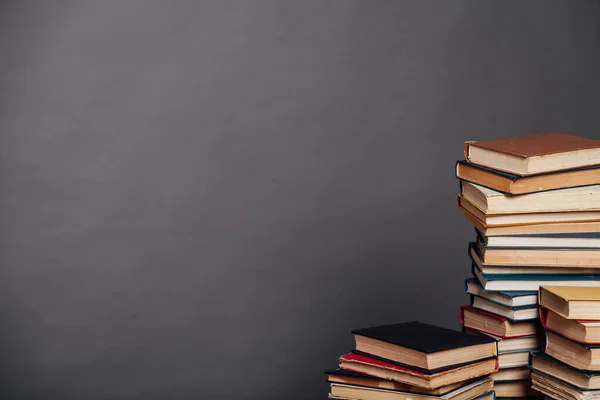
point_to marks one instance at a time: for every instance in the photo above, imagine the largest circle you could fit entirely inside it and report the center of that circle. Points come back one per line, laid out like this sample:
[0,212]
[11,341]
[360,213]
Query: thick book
[513,360]
[543,257]
[546,240]
[513,314]
[510,345]
[511,374]
[583,380]
[558,389]
[534,218]
[491,395]
[527,228]
[534,154]
[389,370]
[465,392]
[498,269]
[495,324]
[582,331]
[572,302]
[350,377]
[578,355]
[506,282]
[491,202]
[421,345]
[511,184]
[525,298]
[513,389]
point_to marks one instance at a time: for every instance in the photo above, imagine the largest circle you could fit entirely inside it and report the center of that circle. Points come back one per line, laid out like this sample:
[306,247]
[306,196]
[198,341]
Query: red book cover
[489,314]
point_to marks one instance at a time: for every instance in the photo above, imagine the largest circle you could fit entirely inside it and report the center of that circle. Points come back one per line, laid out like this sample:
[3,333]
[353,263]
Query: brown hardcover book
[577,355]
[534,154]
[582,331]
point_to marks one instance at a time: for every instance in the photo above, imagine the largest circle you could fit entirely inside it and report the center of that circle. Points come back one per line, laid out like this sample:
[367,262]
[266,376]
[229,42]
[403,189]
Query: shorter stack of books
[414,360]
[569,367]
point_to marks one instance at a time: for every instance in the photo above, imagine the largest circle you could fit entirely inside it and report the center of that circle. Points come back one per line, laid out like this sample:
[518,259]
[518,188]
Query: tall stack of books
[535,204]
[569,366]
[412,361]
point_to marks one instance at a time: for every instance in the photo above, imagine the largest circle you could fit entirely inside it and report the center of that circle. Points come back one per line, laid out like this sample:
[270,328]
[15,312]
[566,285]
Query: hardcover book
[350,377]
[582,331]
[534,154]
[558,389]
[513,314]
[495,324]
[583,380]
[578,355]
[572,302]
[491,202]
[507,298]
[511,184]
[386,369]
[506,282]
[422,345]
[514,221]
[465,392]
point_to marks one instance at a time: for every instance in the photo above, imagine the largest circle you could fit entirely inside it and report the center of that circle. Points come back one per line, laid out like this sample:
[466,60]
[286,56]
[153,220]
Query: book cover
[536,145]
[421,337]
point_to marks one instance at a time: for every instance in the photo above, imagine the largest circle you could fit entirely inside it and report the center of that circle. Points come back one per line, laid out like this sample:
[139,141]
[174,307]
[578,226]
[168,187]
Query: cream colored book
[572,302]
[491,202]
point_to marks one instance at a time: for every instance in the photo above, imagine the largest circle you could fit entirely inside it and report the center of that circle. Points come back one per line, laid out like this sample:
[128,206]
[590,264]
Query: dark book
[511,184]
[422,345]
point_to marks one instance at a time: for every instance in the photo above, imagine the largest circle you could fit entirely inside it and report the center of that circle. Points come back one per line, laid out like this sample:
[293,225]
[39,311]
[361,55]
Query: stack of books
[535,204]
[569,366]
[412,361]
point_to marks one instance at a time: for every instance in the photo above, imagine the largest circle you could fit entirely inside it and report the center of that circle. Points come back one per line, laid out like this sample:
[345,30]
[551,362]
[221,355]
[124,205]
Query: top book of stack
[532,163]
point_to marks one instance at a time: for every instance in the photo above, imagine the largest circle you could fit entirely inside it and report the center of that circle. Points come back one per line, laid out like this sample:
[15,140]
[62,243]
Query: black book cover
[420,370]
[421,337]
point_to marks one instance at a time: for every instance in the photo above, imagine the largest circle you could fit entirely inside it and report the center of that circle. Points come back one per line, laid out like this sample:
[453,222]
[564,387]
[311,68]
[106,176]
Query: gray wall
[202,199]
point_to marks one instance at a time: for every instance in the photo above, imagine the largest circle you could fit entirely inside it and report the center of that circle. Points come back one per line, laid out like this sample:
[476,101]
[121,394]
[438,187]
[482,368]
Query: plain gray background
[199,200]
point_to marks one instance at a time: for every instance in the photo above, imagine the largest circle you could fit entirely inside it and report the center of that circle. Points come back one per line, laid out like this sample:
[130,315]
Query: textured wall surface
[200,199]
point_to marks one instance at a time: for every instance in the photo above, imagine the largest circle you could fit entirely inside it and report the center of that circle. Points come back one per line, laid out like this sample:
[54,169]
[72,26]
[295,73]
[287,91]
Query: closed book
[421,345]
[582,331]
[572,302]
[495,324]
[546,240]
[543,257]
[583,380]
[534,154]
[513,360]
[506,282]
[389,370]
[510,345]
[513,389]
[350,377]
[558,389]
[499,269]
[578,355]
[465,392]
[507,298]
[528,228]
[513,314]
[570,218]
[491,202]
[511,184]
[511,374]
